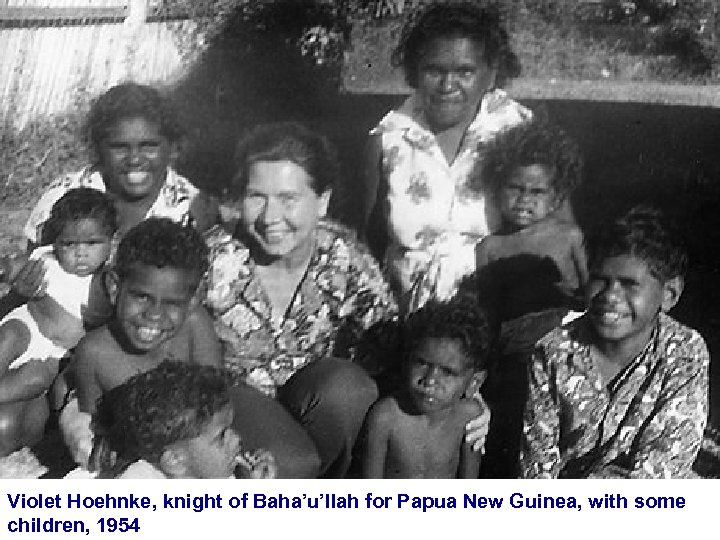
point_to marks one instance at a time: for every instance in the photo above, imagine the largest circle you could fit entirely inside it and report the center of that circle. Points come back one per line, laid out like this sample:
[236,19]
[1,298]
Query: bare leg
[22,423]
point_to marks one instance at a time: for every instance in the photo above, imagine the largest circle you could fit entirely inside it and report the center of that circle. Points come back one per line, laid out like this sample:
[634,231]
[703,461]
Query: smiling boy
[623,391]
[152,286]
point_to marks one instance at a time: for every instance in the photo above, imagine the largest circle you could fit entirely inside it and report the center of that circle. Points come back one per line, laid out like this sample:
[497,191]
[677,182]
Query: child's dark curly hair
[459,318]
[78,204]
[646,233]
[288,141]
[161,242]
[537,142]
[149,412]
[483,25]
[131,100]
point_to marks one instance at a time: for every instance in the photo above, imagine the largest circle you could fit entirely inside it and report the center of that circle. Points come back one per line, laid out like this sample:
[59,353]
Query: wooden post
[137,12]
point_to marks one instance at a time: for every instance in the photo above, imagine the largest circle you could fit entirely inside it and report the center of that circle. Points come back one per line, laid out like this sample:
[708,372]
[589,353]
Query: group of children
[621,390]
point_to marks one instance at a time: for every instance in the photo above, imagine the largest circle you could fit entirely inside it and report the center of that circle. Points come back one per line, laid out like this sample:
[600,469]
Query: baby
[418,432]
[35,336]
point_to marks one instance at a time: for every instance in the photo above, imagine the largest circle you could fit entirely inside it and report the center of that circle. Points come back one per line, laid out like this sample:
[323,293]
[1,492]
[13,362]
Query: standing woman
[455,57]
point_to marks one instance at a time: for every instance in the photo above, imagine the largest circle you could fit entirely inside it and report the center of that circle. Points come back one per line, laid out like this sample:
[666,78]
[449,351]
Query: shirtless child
[152,287]
[536,260]
[530,273]
[158,267]
[419,431]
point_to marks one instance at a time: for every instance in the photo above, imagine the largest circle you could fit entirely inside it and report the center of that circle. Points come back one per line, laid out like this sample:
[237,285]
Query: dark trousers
[330,398]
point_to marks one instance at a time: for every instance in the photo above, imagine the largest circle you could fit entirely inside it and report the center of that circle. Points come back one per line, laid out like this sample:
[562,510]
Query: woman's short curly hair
[287,141]
[173,402]
[483,25]
[78,204]
[537,142]
[646,233]
[131,100]
[460,318]
[161,242]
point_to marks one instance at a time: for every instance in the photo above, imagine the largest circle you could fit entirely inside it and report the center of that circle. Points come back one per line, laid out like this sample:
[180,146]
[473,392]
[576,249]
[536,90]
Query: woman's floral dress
[342,293]
[434,219]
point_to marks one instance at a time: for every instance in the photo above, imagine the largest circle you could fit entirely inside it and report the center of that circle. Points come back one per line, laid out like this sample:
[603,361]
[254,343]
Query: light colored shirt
[646,423]
[174,200]
[434,218]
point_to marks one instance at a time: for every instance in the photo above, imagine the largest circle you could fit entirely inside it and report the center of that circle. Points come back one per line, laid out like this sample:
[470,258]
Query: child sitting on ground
[173,421]
[531,271]
[622,391]
[418,432]
[152,287]
[35,336]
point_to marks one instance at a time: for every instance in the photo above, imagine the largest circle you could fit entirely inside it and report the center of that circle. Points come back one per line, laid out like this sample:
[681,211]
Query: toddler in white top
[34,337]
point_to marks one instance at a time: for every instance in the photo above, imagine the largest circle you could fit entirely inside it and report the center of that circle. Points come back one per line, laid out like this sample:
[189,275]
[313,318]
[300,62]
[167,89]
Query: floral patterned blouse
[173,201]
[342,294]
[647,423]
[434,219]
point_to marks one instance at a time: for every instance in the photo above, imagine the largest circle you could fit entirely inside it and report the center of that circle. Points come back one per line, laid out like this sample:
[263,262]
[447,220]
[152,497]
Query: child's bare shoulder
[385,411]
[97,346]
[564,227]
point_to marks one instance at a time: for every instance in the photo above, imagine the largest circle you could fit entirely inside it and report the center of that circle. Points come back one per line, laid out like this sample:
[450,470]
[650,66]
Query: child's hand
[258,465]
[30,280]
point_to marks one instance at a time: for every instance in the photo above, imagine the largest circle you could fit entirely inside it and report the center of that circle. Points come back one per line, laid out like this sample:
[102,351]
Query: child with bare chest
[531,272]
[418,432]
[152,288]
[536,260]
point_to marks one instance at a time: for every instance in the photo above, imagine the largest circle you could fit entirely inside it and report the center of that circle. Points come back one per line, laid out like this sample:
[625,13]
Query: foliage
[31,158]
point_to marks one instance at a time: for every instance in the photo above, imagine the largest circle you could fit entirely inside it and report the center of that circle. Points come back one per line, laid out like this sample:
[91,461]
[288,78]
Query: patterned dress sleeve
[540,456]
[671,442]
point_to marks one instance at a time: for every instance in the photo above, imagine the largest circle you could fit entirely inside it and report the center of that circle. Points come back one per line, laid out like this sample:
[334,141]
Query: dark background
[666,155]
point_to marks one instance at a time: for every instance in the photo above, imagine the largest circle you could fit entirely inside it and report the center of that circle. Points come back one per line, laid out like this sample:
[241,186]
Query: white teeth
[137,177]
[148,334]
[610,318]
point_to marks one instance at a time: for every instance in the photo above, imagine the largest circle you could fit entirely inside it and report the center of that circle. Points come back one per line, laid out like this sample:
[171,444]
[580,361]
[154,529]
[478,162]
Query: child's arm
[540,456]
[482,252]
[376,433]
[204,343]
[671,440]
[469,466]
[88,386]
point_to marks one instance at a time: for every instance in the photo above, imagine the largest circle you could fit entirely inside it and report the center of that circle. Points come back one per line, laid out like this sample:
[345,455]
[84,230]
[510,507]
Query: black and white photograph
[359,239]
